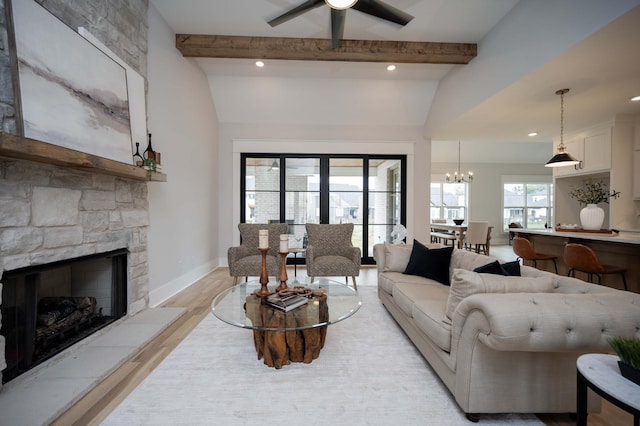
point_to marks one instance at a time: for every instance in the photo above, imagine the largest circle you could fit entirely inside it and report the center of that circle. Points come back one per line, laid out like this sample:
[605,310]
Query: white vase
[591,217]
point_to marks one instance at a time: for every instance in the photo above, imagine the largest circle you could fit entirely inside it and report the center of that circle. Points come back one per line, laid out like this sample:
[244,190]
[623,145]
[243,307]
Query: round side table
[601,373]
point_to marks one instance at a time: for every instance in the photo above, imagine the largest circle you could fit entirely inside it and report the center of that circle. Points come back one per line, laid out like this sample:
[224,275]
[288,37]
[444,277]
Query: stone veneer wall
[50,213]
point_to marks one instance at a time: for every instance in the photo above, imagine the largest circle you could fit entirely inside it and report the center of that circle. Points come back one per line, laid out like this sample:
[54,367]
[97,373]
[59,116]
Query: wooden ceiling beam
[311,49]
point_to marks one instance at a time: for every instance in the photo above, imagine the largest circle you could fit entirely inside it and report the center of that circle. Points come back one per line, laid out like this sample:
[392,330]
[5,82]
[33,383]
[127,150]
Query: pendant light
[562,158]
[457,176]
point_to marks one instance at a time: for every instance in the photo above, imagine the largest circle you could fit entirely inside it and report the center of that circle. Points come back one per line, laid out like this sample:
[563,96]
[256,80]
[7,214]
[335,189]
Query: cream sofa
[504,351]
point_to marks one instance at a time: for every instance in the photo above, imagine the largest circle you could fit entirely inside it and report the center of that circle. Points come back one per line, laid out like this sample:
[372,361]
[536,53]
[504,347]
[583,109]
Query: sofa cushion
[468,260]
[429,316]
[396,257]
[387,280]
[406,295]
[433,264]
[465,283]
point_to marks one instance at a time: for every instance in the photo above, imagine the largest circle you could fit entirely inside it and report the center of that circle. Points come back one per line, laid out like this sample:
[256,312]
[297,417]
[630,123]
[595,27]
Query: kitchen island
[617,249]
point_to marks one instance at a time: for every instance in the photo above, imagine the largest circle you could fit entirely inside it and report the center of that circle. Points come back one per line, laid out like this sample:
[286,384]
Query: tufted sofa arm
[545,322]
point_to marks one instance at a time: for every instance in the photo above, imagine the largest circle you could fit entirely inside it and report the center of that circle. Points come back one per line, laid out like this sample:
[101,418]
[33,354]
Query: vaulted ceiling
[603,70]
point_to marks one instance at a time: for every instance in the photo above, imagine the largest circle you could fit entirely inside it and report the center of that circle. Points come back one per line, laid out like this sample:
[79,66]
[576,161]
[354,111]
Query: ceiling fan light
[340,4]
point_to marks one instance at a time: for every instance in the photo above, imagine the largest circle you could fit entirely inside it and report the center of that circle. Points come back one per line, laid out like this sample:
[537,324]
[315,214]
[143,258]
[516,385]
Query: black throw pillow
[491,268]
[512,268]
[495,267]
[429,263]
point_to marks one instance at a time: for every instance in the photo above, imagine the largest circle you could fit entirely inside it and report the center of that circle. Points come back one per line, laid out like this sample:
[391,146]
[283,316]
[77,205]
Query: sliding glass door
[366,190]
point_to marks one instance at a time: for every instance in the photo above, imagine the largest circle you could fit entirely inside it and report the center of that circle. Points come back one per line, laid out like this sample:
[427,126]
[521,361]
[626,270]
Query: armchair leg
[235,281]
[355,286]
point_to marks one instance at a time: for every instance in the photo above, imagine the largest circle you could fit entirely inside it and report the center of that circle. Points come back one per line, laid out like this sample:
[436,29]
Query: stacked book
[285,302]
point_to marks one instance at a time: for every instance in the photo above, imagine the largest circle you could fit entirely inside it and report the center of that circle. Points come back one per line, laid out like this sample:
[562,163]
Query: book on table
[285,303]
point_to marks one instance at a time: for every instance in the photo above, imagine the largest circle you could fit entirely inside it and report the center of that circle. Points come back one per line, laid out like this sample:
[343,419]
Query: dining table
[458,231]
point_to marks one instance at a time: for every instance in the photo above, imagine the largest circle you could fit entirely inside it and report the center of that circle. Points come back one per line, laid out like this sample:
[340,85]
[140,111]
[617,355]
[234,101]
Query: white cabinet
[593,150]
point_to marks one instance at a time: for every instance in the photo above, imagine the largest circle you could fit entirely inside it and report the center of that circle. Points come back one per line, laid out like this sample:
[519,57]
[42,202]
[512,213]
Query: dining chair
[476,237]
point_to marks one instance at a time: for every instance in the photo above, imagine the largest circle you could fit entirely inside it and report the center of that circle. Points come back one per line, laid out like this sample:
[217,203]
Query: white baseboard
[173,287]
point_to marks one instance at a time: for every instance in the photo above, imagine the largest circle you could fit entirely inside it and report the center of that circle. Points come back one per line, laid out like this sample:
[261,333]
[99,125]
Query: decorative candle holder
[264,275]
[283,272]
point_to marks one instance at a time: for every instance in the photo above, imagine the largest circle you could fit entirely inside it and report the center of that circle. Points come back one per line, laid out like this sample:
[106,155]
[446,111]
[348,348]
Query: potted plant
[591,194]
[628,350]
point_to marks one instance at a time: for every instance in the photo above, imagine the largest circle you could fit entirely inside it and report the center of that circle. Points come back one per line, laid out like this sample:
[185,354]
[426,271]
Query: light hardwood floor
[99,402]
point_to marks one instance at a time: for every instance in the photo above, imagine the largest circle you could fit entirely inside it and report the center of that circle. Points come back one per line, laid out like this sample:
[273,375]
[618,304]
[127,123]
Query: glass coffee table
[284,337]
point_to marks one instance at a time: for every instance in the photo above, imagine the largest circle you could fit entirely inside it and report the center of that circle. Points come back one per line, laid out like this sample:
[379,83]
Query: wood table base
[280,348]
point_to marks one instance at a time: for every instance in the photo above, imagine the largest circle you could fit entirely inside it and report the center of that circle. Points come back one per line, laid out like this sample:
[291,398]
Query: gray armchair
[330,252]
[245,260]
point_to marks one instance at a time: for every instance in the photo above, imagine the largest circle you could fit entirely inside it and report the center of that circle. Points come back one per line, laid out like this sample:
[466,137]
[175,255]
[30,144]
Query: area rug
[368,373]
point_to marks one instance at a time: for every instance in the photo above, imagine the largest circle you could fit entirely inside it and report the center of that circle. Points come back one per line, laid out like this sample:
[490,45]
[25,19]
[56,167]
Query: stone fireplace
[51,215]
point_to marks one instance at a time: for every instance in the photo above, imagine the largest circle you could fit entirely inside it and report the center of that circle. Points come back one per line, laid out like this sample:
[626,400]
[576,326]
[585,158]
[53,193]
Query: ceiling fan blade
[337,26]
[296,11]
[382,10]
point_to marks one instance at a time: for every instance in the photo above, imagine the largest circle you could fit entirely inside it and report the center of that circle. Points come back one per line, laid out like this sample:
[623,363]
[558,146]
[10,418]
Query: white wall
[319,139]
[485,195]
[184,210]
[531,34]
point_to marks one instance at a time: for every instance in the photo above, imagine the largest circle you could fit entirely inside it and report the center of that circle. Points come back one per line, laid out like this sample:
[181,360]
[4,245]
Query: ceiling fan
[376,8]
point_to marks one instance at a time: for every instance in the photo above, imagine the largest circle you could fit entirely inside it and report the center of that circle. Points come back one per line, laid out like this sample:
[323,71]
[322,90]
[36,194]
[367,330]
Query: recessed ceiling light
[259,64]
[532,134]
[635,99]
[391,67]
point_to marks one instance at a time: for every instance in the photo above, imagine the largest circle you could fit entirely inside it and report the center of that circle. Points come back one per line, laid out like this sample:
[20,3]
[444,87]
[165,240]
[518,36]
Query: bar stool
[579,257]
[524,249]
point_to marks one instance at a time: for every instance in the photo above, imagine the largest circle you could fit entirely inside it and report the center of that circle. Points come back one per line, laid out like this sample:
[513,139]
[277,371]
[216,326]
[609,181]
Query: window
[529,204]
[449,200]
[366,190]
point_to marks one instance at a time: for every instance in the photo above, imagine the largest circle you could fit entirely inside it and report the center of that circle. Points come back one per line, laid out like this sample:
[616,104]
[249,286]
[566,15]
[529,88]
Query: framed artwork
[71,93]
[135,90]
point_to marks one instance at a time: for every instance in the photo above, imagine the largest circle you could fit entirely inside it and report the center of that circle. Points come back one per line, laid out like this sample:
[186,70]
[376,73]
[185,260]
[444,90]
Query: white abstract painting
[72,94]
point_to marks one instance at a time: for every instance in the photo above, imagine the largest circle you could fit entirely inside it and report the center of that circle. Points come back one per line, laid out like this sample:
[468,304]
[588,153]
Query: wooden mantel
[34,150]
[311,49]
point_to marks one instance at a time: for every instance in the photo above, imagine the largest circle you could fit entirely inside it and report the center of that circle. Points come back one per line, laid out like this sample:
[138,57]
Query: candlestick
[284,243]
[283,270]
[264,276]
[263,239]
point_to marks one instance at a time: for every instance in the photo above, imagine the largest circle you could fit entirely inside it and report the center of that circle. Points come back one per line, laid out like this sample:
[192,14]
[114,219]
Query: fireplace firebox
[47,308]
